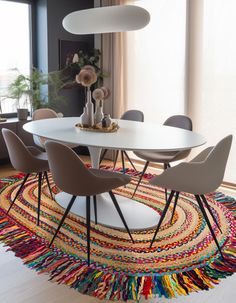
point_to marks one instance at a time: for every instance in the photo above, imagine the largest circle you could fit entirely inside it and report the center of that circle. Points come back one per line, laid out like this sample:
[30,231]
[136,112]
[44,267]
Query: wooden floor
[18,284]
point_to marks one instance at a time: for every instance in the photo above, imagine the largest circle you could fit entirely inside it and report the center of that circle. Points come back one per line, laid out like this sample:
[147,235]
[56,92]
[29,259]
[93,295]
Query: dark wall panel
[49,29]
[57,10]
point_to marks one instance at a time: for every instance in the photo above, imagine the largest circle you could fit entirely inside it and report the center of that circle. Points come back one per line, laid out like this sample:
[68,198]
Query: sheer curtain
[114,62]
[183,62]
[212,103]
[155,68]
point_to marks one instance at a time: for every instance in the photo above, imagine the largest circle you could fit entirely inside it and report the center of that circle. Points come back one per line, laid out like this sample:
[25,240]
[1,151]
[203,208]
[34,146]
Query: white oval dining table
[130,136]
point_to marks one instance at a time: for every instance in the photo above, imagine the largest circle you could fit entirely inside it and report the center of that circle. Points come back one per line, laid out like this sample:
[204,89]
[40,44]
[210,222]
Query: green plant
[17,89]
[33,89]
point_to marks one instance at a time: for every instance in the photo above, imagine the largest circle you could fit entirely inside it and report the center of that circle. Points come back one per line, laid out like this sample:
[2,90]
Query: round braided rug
[183,259]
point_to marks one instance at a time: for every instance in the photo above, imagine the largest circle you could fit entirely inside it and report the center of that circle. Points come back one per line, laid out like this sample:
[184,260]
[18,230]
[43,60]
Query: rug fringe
[67,269]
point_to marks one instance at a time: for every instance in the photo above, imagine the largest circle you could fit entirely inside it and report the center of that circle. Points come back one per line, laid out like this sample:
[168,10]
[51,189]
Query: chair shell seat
[161,157]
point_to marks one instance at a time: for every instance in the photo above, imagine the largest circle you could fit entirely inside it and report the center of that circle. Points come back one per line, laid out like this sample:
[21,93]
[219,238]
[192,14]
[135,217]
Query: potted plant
[18,90]
[29,91]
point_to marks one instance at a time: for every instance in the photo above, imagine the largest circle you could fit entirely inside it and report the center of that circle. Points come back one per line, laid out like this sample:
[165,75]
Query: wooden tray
[96,128]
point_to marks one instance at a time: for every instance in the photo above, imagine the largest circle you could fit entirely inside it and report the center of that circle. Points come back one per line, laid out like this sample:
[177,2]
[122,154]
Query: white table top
[130,136]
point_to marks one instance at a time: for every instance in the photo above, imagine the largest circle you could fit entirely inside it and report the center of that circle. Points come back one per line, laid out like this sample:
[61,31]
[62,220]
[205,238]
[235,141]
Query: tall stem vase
[89,107]
[98,116]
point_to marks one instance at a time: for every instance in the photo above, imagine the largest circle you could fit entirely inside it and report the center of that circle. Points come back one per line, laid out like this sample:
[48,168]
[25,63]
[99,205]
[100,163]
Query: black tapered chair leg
[166,165]
[132,164]
[48,183]
[162,216]
[208,223]
[103,155]
[39,195]
[175,204]
[120,214]
[115,160]
[88,228]
[166,194]
[72,200]
[143,172]
[123,161]
[19,190]
[95,209]
[210,211]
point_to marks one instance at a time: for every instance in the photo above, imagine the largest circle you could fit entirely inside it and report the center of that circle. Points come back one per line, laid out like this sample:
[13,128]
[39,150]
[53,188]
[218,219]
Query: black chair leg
[162,216]
[48,183]
[120,213]
[103,155]
[166,194]
[88,228]
[19,190]
[95,209]
[132,164]
[143,172]
[123,161]
[175,204]
[63,218]
[115,160]
[208,223]
[210,211]
[166,165]
[39,194]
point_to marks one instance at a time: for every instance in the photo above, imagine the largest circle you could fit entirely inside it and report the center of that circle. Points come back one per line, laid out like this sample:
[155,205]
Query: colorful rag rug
[183,259]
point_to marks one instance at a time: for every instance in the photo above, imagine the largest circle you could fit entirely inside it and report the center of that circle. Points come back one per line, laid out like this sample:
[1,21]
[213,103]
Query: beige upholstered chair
[72,176]
[131,115]
[27,159]
[200,176]
[166,158]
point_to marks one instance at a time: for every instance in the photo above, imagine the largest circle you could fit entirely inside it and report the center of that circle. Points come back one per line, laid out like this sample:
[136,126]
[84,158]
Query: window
[156,61]
[15,50]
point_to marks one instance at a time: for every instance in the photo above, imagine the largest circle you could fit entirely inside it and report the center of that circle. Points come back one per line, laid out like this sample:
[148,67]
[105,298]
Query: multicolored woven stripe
[184,258]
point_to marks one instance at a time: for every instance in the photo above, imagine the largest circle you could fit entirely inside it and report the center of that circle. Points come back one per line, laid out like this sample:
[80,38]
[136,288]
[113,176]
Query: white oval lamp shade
[108,19]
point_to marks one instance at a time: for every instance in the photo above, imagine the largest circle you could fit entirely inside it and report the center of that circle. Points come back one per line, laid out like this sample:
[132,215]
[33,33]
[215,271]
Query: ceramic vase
[84,117]
[106,121]
[98,116]
[89,108]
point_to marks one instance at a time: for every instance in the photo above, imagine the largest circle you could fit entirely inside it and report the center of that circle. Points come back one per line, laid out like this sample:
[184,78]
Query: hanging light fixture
[108,19]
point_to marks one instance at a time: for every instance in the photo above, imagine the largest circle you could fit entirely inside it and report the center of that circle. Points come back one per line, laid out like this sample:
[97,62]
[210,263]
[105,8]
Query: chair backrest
[215,163]
[133,115]
[68,171]
[44,113]
[180,121]
[19,155]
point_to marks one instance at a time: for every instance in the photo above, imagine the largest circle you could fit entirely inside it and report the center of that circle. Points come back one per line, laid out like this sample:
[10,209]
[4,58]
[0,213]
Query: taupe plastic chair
[27,159]
[73,177]
[166,158]
[46,113]
[131,115]
[39,114]
[200,176]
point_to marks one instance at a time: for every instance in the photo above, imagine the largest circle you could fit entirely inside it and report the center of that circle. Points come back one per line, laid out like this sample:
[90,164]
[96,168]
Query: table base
[137,215]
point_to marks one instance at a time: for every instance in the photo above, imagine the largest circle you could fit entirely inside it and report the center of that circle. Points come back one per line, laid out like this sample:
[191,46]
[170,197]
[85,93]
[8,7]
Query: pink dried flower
[89,67]
[86,77]
[106,92]
[98,94]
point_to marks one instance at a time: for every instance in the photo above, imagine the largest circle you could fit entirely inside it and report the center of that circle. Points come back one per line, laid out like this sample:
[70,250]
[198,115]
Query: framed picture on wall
[67,50]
